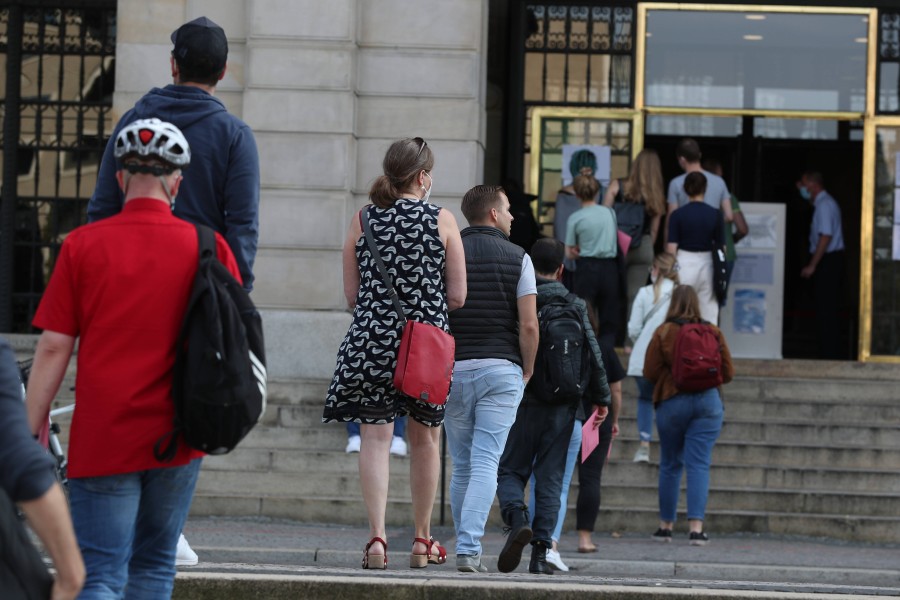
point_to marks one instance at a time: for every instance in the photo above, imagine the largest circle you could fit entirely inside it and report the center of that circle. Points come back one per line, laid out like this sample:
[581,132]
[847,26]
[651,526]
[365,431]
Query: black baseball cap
[200,46]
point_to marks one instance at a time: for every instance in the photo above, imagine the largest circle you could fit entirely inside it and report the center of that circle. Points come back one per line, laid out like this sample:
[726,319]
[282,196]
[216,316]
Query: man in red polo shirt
[121,286]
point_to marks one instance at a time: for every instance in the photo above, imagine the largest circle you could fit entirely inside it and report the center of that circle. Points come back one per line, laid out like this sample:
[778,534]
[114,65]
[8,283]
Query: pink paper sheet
[590,436]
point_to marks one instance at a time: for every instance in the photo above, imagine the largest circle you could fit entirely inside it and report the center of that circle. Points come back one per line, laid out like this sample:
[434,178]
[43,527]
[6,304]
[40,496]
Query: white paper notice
[602,158]
[897,206]
[762,232]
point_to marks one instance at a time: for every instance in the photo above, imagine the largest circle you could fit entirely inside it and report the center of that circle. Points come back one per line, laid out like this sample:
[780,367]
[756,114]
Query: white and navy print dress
[362,389]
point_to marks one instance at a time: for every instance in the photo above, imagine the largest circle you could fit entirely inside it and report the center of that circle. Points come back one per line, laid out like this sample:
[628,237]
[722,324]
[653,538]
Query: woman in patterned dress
[422,250]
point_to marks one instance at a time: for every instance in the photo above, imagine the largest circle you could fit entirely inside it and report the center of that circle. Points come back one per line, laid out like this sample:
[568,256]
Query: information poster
[754,313]
[575,156]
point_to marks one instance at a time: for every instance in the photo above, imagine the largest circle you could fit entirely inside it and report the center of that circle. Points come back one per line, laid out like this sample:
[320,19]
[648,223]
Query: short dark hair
[581,159]
[546,255]
[201,51]
[815,177]
[688,149]
[695,184]
[479,201]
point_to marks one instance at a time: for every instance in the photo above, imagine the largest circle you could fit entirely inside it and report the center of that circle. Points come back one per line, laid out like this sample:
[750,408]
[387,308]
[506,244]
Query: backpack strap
[167,445]
[382,270]
[655,309]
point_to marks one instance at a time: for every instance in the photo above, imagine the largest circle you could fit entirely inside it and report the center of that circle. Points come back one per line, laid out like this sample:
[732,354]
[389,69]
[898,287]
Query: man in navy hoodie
[222,188]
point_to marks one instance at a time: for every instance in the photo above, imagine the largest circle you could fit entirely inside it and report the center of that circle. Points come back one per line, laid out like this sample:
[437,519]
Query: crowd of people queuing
[509,427]
[506,432]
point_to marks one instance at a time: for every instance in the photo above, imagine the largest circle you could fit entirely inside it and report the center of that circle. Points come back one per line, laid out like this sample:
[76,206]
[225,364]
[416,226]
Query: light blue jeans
[644,408]
[480,412]
[571,458]
[127,528]
[688,426]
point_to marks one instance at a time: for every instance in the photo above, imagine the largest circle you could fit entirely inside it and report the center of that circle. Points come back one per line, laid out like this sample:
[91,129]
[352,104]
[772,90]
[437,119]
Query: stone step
[741,498]
[319,465]
[837,453]
[349,510]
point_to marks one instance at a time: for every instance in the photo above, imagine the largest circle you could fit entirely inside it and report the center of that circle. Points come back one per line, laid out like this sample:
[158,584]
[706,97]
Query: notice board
[753,316]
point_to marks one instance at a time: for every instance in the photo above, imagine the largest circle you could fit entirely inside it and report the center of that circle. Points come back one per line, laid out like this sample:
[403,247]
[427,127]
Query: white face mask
[428,190]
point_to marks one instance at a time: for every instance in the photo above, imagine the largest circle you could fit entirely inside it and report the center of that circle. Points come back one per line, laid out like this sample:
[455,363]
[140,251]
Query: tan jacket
[659,358]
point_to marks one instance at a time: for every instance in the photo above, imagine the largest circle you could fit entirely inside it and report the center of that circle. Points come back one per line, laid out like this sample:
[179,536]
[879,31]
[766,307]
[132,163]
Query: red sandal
[418,561]
[375,561]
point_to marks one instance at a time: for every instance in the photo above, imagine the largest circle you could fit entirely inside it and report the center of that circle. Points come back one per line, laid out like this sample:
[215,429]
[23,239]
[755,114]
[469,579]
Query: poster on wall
[752,318]
[576,156]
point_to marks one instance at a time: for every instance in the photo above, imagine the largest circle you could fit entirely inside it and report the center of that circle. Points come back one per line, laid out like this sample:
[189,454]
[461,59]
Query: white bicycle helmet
[152,138]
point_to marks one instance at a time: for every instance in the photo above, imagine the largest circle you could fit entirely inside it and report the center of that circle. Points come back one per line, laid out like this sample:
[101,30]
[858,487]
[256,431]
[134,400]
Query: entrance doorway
[765,168]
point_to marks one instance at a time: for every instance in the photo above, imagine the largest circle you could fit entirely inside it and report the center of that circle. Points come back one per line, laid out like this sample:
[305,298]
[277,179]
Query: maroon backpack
[697,361]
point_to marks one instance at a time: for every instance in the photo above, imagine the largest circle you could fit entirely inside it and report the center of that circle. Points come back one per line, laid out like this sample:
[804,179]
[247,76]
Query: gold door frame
[870,124]
[869,119]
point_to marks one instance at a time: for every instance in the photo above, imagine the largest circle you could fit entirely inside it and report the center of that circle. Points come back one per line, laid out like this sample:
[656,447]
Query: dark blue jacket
[221,185]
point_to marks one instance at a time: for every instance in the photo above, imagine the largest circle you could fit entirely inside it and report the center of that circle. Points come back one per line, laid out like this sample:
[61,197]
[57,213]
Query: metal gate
[59,81]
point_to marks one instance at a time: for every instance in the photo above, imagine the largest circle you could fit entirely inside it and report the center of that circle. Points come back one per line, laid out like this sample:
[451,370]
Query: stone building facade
[326,87]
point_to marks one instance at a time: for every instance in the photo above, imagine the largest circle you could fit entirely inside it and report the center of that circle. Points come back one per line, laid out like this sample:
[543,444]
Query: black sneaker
[662,535]
[698,539]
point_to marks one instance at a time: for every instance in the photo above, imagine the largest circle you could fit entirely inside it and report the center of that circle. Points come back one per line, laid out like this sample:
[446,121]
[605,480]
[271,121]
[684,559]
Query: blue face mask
[804,193]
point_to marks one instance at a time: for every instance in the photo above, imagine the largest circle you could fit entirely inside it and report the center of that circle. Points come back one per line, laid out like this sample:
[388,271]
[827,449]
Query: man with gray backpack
[568,366]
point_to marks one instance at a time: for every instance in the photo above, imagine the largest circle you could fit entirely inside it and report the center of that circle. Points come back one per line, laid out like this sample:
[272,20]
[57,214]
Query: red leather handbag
[426,355]
[425,362]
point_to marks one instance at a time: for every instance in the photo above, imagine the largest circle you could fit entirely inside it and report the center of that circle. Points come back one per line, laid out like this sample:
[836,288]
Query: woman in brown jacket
[688,422]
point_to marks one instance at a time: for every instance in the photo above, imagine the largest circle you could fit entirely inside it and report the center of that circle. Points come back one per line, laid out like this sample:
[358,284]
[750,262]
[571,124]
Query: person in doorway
[649,311]
[398,444]
[121,286]
[826,263]
[496,341]
[694,230]
[716,194]
[539,439]
[737,230]
[689,423]
[643,187]
[420,243]
[524,230]
[222,188]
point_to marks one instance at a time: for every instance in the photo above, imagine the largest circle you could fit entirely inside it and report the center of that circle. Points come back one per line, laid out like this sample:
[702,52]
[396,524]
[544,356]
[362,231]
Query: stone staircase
[808,448]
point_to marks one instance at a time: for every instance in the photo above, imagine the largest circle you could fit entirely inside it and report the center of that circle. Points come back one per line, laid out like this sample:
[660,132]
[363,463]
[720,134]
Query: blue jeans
[571,457]
[688,426]
[399,427]
[480,412]
[645,408]
[127,528]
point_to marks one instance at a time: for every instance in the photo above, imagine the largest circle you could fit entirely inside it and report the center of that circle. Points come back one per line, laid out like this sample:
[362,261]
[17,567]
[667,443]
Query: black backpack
[219,384]
[629,218]
[562,370]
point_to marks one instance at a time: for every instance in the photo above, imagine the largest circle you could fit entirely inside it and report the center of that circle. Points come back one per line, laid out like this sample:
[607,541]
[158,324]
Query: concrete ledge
[350,585]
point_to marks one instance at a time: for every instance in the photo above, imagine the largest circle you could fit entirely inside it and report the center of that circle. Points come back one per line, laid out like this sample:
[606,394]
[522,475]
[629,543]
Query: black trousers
[538,441]
[827,281]
[597,281]
[589,473]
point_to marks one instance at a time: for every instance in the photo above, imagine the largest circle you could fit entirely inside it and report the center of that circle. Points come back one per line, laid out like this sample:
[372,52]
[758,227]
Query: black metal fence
[59,61]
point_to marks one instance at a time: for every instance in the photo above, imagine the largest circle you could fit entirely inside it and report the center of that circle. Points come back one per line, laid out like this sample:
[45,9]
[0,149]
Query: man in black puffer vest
[496,335]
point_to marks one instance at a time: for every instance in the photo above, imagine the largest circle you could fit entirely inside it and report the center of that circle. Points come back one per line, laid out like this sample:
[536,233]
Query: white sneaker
[353,443]
[184,555]
[642,454]
[555,561]
[398,446]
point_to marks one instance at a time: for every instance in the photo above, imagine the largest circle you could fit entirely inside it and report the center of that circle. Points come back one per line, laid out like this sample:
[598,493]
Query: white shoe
[184,555]
[642,454]
[398,446]
[353,443]
[555,561]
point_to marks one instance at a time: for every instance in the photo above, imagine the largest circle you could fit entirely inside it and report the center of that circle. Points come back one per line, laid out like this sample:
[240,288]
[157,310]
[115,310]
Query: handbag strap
[379,263]
[655,309]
